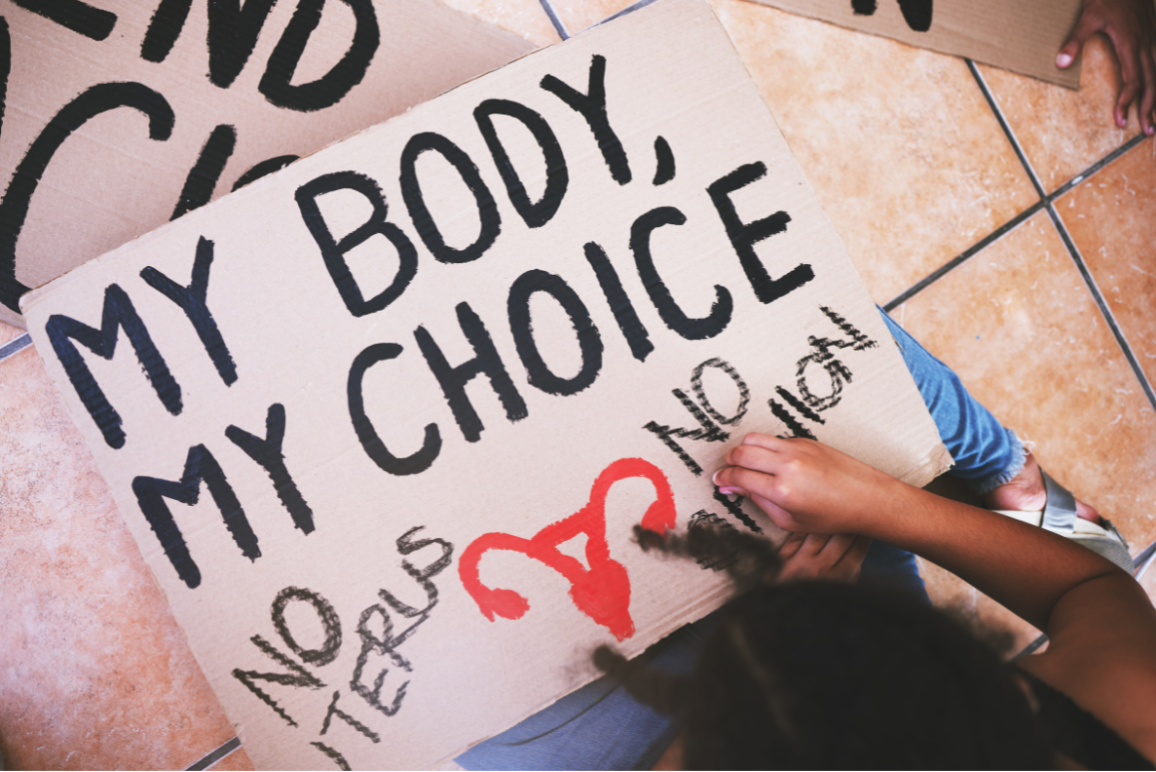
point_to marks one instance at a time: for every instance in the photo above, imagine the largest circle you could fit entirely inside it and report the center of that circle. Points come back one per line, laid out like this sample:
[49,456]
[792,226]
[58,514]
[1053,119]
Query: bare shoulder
[1102,654]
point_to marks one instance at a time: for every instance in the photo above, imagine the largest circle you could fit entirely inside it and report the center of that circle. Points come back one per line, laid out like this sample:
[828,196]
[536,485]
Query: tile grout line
[1031,648]
[15,346]
[1003,124]
[1143,561]
[1106,312]
[1058,222]
[962,257]
[1060,191]
[999,232]
[558,26]
[213,757]
[1046,201]
[1073,252]
[629,9]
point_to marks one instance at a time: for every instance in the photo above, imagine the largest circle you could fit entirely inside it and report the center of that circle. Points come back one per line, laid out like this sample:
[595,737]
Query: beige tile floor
[1019,251]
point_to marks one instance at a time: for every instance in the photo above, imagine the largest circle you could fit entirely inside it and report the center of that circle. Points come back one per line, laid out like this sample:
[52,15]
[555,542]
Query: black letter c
[370,441]
[674,317]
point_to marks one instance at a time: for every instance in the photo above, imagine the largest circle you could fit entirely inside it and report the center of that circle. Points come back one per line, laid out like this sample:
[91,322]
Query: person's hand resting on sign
[1131,26]
[805,486]
[809,552]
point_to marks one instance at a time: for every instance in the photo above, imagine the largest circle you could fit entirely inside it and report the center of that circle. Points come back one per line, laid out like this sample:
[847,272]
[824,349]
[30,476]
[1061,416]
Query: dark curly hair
[810,675]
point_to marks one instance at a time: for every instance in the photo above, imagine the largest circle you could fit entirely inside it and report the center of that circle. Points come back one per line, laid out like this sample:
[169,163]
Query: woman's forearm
[1023,567]
[1101,625]
[805,486]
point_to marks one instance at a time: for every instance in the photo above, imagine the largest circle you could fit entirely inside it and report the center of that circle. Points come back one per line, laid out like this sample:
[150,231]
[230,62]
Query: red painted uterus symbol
[601,593]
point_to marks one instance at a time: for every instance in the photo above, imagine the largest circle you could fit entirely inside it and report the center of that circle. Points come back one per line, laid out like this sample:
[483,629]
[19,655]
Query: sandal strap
[1113,532]
[1060,509]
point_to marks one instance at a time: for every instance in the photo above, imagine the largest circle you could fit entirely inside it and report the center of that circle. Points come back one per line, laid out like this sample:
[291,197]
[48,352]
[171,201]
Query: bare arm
[1101,624]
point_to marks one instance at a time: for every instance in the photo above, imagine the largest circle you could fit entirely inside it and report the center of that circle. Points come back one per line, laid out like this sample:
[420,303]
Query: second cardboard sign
[1023,36]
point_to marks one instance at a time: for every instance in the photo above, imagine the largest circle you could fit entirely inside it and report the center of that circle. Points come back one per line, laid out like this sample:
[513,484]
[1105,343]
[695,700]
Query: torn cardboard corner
[117,121]
[404,401]
[1023,36]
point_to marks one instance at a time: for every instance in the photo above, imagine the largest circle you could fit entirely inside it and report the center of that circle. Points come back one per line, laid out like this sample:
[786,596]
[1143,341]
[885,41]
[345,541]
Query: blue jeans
[601,727]
[986,454]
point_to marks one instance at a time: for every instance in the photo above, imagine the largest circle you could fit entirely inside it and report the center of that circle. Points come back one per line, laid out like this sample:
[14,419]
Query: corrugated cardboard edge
[937,463]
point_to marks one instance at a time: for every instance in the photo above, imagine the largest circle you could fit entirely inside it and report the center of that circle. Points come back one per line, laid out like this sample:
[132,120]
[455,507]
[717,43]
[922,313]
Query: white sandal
[1059,516]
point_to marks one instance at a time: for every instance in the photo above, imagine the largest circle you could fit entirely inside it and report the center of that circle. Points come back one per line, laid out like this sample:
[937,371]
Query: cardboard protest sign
[403,402]
[1023,36]
[118,119]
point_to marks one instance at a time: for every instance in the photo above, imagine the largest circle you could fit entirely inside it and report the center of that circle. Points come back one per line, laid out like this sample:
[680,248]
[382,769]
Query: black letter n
[151,493]
[118,312]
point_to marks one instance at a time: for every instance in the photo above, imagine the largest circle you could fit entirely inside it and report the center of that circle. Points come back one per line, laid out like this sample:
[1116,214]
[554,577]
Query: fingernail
[714,477]
[1063,60]
[729,491]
